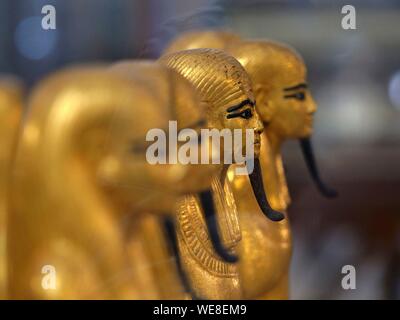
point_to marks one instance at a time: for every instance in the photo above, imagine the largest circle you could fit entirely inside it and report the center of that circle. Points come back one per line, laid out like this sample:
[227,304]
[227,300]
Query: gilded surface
[211,276]
[10,114]
[265,248]
[83,198]
[82,191]
[193,230]
[221,82]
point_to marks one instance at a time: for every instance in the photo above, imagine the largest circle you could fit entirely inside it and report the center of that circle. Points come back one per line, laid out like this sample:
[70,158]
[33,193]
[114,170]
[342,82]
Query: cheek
[288,118]
[229,123]
[263,113]
[301,121]
[249,124]
[218,122]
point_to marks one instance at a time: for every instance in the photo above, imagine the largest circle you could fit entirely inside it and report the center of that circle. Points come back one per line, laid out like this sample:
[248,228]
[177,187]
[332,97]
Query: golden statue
[10,113]
[286,107]
[85,200]
[226,89]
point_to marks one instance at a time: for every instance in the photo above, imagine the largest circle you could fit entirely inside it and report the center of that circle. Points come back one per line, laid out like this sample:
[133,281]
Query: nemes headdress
[219,78]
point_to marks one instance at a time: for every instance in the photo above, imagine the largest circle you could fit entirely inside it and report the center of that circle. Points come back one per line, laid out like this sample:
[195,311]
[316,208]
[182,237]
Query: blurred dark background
[354,76]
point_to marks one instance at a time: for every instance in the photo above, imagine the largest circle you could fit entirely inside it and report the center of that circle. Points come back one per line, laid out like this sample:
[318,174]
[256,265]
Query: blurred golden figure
[167,85]
[82,190]
[286,107]
[10,113]
[226,90]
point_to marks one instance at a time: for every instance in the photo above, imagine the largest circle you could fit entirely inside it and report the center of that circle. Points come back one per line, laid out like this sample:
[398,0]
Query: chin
[306,133]
[257,150]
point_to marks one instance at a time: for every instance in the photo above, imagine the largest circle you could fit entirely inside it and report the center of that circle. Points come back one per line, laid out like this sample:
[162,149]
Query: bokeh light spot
[394,90]
[32,41]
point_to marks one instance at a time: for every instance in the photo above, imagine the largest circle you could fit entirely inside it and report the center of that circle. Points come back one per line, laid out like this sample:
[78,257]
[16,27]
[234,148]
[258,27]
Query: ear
[263,105]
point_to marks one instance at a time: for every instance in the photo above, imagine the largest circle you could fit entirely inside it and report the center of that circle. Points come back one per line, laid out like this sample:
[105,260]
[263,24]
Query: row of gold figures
[79,201]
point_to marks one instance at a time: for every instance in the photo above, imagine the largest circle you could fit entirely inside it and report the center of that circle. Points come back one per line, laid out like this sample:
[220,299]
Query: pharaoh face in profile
[224,88]
[278,74]
[284,101]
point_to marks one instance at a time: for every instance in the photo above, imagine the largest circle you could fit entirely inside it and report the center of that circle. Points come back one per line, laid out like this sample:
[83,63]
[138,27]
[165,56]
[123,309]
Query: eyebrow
[242,104]
[299,86]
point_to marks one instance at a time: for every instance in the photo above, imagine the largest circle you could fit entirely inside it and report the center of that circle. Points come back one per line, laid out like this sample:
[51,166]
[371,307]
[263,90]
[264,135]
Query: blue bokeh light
[394,90]
[32,41]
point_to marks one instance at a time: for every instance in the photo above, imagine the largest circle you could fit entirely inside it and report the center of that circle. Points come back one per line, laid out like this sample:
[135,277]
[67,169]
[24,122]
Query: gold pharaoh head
[279,76]
[223,86]
[283,99]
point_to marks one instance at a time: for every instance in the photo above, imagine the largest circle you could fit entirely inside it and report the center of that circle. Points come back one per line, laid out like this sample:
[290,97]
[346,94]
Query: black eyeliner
[240,105]
[240,114]
[299,86]
[295,95]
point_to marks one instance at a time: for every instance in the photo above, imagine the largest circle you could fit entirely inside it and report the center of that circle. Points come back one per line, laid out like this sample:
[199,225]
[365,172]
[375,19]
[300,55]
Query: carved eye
[298,95]
[246,114]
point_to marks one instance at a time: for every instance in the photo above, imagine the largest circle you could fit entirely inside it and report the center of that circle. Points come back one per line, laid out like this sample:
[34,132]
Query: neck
[274,142]
[273,171]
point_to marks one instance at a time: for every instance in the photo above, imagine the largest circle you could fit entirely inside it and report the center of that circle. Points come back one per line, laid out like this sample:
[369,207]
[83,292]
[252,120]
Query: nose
[311,105]
[258,124]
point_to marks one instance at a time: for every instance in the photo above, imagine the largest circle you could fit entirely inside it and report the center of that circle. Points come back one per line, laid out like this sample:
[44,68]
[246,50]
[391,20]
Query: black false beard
[170,232]
[208,206]
[308,154]
[257,185]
